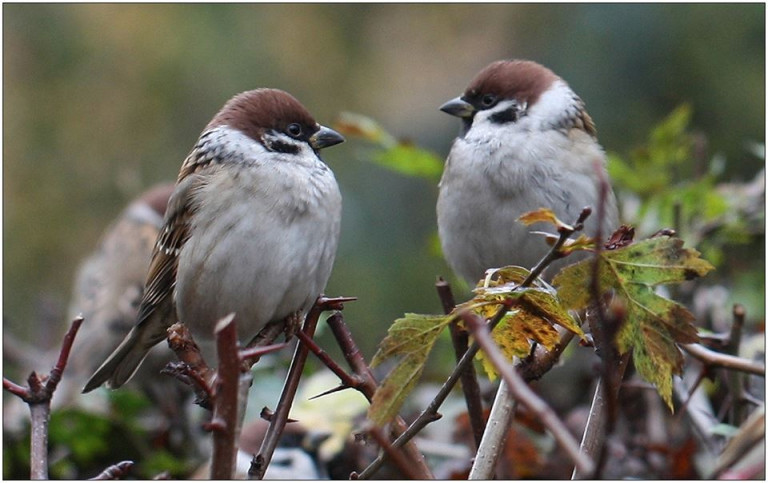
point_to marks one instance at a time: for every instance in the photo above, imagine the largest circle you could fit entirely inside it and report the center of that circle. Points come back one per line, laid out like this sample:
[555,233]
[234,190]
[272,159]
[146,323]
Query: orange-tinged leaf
[653,325]
[542,214]
[532,319]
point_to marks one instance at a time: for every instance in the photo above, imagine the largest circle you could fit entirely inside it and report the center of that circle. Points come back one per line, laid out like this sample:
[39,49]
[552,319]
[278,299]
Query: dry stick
[430,413]
[277,423]
[736,380]
[523,394]
[469,384]
[716,359]
[224,423]
[114,472]
[534,368]
[489,448]
[395,455]
[38,396]
[596,431]
[368,386]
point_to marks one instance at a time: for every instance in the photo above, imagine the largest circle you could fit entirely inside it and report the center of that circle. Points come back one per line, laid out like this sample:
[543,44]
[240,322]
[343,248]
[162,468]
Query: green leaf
[653,325]
[400,156]
[411,337]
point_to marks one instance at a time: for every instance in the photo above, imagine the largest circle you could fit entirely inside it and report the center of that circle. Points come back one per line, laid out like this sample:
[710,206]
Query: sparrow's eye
[294,129]
[488,100]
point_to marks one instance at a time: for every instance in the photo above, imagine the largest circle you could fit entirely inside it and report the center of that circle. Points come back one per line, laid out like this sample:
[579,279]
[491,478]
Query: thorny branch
[279,418]
[225,409]
[367,387]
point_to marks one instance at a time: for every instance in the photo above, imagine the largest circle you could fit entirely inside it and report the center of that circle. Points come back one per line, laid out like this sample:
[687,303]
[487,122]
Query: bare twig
[38,395]
[595,432]
[541,360]
[277,423]
[367,387]
[224,423]
[523,394]
[348,381]
[114,472]
[395,455]
[726,361]
[735,379]
[468,376]
[192,368]
[492,442]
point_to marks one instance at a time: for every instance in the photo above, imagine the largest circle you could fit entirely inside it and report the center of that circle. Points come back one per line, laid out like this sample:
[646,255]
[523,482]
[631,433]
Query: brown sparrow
[252,228]
[526,143]
[110,283]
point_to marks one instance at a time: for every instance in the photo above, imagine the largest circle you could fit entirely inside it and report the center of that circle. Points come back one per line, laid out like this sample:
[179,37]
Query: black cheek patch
[503,117]
[283,147]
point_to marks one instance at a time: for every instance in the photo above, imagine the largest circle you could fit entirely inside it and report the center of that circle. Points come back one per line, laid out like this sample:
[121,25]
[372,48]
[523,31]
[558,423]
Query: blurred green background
[103,101]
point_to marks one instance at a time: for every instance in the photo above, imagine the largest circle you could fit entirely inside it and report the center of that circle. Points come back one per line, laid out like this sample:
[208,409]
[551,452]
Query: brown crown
[523,80]
[253,112]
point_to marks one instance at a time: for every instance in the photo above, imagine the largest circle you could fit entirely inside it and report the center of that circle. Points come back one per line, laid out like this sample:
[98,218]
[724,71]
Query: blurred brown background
[103,101]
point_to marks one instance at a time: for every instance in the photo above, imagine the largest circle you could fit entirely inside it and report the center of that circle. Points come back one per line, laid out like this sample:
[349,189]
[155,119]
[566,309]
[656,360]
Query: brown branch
[38,395]
[192,370]
[348,381]
[279,418]
[398,458]
[541,360]
[716,359]
[368,386]
[114,472]
[225,410]
[523,394]
[468,376]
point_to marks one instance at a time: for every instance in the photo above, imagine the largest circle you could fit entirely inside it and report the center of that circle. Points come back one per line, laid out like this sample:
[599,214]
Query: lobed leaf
[653,325]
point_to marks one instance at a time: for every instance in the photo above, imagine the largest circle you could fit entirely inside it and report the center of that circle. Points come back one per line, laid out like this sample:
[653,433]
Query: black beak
[325,137]
[458,107]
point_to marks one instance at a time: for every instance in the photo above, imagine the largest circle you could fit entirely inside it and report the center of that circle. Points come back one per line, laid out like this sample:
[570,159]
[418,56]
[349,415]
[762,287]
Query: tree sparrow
[252,228]
[526,143]
[109,285]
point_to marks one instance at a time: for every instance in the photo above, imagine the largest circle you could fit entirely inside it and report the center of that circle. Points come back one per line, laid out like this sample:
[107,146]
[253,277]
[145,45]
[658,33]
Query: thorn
[338,388]
[216,424]
[254,352]
[266,414]
[333,303]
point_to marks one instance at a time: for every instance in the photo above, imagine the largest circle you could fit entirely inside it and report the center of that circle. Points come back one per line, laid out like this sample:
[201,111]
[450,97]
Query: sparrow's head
[275,119]
[507,90]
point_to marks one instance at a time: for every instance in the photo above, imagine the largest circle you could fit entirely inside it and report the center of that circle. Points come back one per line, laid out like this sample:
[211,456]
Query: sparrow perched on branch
[526,143]
[109,285]
[252,228]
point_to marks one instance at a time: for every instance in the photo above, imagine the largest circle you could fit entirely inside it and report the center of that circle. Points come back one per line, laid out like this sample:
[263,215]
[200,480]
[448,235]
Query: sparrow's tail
[122,364]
